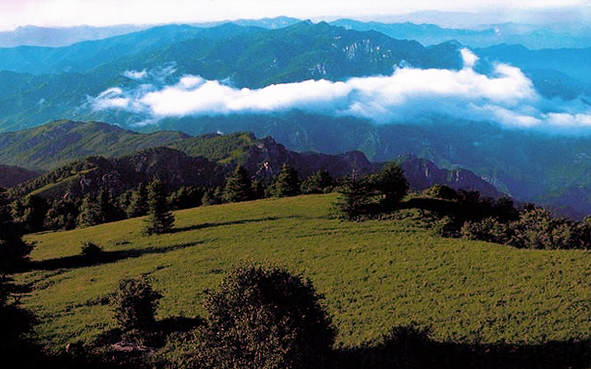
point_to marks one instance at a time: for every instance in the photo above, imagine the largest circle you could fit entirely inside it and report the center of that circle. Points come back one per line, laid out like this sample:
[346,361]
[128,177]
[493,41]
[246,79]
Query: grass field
[374,274]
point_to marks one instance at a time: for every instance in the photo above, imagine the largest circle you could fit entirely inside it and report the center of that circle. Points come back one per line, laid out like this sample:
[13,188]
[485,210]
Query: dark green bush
[135,305]
[264,318]
[91,250]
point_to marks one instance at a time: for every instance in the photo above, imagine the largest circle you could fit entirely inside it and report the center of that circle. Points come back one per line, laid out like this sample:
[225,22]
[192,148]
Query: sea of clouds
[505,96]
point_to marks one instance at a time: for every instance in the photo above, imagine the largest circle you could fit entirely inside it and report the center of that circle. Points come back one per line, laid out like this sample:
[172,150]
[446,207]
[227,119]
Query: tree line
[35,213]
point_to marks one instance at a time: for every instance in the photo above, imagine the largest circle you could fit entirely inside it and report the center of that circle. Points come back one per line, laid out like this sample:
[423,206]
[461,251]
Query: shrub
[446,227]
[441,192]
[265,318]
[91,250]
[407,347]
[135,304]
[391,185]
[488,229]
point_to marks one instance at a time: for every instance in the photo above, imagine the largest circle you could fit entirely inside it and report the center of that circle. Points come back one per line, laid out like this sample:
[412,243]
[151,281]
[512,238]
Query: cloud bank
[506,96]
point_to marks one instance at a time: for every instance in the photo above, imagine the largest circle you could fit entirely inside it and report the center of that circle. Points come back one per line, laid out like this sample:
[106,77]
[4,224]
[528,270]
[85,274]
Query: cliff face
[266,158]
[422,174]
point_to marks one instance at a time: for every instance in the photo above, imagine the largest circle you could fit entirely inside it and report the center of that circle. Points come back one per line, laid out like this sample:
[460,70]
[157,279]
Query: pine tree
[287,183]
[139,202]
[90,212]
[109,212]
[238,186]
[160,218]
[13,250]
[318,182]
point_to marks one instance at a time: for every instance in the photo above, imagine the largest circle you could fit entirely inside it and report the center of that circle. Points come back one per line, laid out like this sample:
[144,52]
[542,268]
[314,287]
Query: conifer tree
[160,218]
[318,182]
[139,202]
[90,212]
[13,250]
[238,186]
[287,183]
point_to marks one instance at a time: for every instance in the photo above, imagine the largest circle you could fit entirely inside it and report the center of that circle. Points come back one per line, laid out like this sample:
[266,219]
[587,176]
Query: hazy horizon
[70,13]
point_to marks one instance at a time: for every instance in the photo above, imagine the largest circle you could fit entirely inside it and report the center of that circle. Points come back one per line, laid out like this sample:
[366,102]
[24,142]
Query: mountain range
[41,84]
[202,161]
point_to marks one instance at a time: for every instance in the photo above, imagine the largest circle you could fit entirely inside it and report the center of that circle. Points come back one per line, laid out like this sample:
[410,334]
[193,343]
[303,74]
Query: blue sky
[16,13]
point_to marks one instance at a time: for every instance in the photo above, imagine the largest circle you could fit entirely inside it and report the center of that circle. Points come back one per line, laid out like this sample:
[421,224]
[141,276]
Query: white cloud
[137,75]
[506,96]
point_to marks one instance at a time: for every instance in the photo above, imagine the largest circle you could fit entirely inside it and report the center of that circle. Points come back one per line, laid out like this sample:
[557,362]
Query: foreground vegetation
[374,274]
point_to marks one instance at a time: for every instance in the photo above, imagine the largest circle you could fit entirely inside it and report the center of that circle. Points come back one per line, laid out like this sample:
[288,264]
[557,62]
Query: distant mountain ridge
[12,175]
[201,161]
[60,142]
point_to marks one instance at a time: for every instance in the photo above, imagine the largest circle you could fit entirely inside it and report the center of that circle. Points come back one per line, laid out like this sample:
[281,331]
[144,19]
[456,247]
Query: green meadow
[373,274]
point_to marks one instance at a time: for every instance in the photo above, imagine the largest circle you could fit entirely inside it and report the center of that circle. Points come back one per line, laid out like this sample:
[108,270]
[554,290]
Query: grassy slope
[374,274]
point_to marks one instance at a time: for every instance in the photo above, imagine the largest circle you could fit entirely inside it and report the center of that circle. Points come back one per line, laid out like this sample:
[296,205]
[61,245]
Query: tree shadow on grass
[410,348]
[236,222]
[104,257]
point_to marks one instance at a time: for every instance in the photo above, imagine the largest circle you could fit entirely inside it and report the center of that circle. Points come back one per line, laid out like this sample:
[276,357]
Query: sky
[62,13]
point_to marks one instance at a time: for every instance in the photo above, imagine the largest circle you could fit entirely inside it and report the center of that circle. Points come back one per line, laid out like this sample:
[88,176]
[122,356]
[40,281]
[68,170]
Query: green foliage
[489,230]
[31,214]
[186,197]
[98,209]
[91,250]
[391,185]
[160,218]
[65,141]
[407,347]
[135,304]
[13,250]
[355,203]
[238,186]
[265,318]
[213,196]
[319,182]
[218,148]
[440,192]
[537,229]
[287,182]
[373,195]
[62,214]
[138,203]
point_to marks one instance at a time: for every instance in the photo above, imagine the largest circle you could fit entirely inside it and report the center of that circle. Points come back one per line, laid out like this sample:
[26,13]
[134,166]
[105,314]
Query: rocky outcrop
[422,174]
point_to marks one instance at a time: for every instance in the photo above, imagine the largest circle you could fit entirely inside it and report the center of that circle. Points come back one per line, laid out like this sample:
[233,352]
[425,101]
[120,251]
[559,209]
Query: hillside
[60,142]
[201,161]
[11,175]
[374,274]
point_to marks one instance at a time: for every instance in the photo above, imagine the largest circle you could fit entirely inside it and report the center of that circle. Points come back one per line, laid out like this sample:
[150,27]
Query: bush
[135,304]
[265,318]
[91,250]
[441,192]
[407,347]
[391,184]
[489,230]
